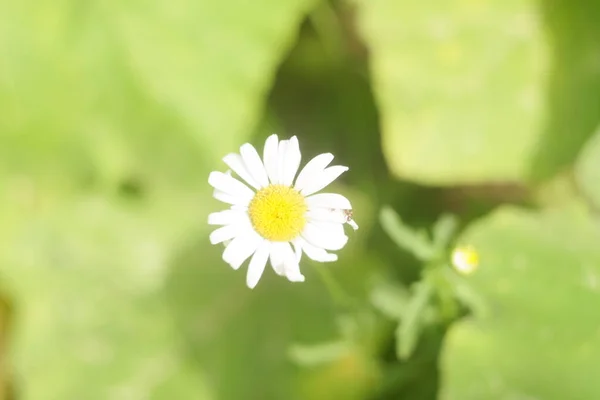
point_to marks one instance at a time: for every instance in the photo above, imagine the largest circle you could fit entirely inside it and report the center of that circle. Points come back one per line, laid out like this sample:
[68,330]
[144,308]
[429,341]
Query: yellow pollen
[277,213]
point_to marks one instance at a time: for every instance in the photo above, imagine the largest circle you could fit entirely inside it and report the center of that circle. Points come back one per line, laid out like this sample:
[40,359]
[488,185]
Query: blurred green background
[113,113]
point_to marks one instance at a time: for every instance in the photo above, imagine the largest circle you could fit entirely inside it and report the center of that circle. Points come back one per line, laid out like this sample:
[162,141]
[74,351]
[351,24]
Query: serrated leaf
[409,329]
[443,230]
[466,294]
[459,86]
[404,236]
[540,276]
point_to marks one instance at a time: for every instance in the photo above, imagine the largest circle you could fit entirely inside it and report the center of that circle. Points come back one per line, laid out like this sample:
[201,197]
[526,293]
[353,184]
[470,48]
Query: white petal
[281,152]
[353,224]
[271,158]
[297,250]
[327,215]
[330,215]
[291,161]
[325,235]
[227,232]
[228,184]
[240,248]
[328,200]
[257,264]
[294,275]
[225,217]
[292,268]
[313,252]
[313,168]
[330,227]
[229,199]
[325,178]
[277,256]
[236,163]
[254,164]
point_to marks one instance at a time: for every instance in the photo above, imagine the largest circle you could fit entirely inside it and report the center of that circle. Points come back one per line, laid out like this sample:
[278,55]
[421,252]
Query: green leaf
[409,329]
[404,236]
[466,294]
[587,169]
[540,277]
[312,355]
[210,62]
[443,231]
[574,84]
[93,321]
[116,86]
[459,87]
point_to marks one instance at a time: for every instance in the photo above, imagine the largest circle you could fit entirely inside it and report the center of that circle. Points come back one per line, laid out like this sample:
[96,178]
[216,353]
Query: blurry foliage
[573,103]
[588,170]
[6,313]
[541,282]
[466,105]
[248,334]
[112,114]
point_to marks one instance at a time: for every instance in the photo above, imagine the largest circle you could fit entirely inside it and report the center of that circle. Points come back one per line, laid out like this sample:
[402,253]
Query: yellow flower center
[277,213]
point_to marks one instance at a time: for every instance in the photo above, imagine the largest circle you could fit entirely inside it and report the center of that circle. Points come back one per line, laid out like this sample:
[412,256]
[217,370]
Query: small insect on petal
[465,259]
[349,220]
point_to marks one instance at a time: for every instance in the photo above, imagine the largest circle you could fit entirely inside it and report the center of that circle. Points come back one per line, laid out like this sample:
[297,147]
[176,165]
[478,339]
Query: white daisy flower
[271,212]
